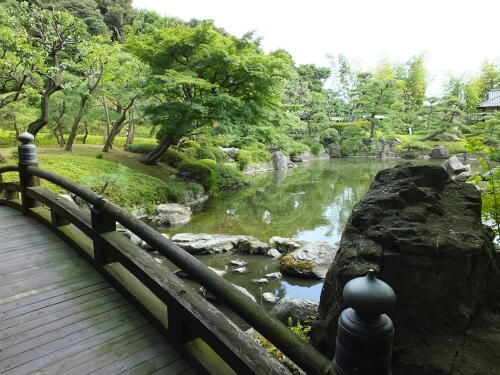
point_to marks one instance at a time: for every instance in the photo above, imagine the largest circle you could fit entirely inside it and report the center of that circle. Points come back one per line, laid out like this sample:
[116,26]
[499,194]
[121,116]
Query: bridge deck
[59,316]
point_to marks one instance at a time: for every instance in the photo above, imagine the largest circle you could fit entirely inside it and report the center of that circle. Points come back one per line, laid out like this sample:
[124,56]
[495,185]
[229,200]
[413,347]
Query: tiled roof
[493,102]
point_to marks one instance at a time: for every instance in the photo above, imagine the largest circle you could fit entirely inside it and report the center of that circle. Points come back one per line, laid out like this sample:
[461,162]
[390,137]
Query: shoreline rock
[422,233]
[312,260]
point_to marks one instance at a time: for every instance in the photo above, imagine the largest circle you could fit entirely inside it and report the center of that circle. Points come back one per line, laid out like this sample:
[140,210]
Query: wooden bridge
[78,297]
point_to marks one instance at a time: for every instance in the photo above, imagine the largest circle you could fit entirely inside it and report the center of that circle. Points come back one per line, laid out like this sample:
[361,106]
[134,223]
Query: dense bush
[329,136]
[200,170]
[244,158]
[211,174]
[140,148]
[352,139]
[259,152]
[203,153]
[174,157]
[218,153]
[413,145]
[316,148]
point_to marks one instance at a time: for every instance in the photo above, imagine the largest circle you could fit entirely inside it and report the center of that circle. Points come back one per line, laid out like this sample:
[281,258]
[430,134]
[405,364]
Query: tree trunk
[115,130]
[16,128]
[117,127]
[373,126]
[76,122]
[56,135]
[84,140]
[429,137]
[108,122]
[39,123]
[155,155]
[130,134]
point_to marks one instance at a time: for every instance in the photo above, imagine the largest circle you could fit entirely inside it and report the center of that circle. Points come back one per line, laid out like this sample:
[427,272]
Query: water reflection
[312,202]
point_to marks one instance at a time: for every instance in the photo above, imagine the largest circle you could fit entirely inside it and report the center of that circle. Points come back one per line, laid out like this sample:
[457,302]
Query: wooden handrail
[110,246]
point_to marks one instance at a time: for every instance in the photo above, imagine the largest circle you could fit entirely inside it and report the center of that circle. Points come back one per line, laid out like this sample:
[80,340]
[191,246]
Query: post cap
[369,295]
[25,138]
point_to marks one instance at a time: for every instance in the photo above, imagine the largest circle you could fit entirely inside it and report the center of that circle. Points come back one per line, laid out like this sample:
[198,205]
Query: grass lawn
[136,185]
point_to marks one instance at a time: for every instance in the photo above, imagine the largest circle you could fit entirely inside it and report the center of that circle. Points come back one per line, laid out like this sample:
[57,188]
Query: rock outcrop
[311,260]
[296,308]
[439,152]
[284,245]
[422,233]
[334,150]
[203,243]
[170,214]
[281,161]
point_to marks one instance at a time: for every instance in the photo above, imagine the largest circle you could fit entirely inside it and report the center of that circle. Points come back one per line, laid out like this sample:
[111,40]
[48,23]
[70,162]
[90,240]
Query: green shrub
[329,136]
[414,146]
[316,148]
[200,170]
[99,156]
[244,158]
[174,157]
[228,176]
[211,174]
[203,153]
[218,153]
[352,139]
[188,143]
[259,152]
[140,148]
[296,148]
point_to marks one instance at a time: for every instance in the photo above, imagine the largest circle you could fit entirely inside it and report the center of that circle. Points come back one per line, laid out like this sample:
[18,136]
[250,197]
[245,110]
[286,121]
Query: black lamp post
[365,332]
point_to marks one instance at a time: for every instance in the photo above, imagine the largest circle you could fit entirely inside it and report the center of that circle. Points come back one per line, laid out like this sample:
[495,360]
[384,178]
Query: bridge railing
[197,328]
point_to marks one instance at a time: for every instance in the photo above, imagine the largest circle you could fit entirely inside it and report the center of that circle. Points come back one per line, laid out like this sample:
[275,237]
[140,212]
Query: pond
[311,202]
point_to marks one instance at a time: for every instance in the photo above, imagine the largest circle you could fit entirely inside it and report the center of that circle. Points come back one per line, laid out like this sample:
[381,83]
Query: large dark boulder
[422,233]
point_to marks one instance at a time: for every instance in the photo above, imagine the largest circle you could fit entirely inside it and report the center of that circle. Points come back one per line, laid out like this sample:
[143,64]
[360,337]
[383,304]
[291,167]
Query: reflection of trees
[321,193]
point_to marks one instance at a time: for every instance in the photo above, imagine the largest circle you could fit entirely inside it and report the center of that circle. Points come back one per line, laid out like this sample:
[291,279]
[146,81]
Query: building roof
[493,102]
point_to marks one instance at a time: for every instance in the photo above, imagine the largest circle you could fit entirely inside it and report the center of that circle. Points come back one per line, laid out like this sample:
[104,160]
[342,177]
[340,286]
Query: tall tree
[203,78]
[52,38]
[121,90]
[91,65]
[376,93]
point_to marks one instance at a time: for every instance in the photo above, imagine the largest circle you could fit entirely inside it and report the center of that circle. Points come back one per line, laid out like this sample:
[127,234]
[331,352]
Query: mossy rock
[290,266]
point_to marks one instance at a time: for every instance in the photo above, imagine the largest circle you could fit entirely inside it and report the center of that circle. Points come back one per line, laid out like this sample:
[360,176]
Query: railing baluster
[57,219]
[27,158]
[101,223]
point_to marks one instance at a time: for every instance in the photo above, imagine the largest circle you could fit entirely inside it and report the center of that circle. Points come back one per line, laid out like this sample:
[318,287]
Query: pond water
[311,202]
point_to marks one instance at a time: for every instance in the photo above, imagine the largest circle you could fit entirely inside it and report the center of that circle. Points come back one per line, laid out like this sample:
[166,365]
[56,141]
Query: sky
[456,36]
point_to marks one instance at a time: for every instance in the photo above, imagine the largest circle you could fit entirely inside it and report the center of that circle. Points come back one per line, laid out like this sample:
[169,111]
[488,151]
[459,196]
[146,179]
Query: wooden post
[57,219]
[27,158]
[101,223]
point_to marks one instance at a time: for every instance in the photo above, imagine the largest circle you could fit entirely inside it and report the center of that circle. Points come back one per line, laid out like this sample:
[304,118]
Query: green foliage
[125,187]
[211,174]
[300,330]
[244,158]
[99,156]
[174,157]
[8,139]
[329,136]
[352,139]
[204,153]
[140,148]
[200,170]
[316,148]
[205,78]
[219,155]
[491,187]
[413,145]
